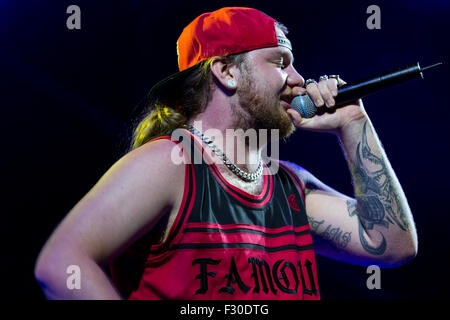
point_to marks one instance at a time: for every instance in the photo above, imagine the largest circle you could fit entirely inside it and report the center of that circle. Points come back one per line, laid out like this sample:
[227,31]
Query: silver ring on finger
[325,77]
[309,81]
[335,76]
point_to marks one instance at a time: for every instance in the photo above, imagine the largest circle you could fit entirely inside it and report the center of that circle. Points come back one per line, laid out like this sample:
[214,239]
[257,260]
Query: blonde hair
[161,119]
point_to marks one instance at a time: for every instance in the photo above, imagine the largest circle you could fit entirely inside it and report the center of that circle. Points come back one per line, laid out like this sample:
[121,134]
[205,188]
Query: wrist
[352,126]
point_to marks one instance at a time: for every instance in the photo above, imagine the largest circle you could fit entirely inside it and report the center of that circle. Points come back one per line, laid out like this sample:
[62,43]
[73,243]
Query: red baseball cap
[225,31]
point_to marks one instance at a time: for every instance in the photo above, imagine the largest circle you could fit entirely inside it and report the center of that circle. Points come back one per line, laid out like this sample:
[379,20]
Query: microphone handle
[358,89]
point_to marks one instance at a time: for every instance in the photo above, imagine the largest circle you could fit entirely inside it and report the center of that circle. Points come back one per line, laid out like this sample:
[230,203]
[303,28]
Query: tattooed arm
[374,227]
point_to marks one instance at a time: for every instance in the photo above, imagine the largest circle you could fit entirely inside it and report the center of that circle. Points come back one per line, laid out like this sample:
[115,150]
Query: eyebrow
[283,53]
[287,52]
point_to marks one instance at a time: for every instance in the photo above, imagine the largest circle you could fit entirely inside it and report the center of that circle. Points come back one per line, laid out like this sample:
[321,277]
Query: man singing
[232,225]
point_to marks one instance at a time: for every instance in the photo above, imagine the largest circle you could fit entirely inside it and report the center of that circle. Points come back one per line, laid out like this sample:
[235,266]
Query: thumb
[295,117]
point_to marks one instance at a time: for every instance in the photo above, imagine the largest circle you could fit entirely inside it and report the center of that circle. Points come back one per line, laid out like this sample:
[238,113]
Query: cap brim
[169,90]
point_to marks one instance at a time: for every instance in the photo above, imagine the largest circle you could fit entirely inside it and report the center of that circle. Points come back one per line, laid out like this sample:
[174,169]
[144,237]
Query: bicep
[334,227]
[131,196]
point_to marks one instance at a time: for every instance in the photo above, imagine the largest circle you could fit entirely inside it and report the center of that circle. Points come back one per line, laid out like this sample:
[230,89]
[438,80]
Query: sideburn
[259,111]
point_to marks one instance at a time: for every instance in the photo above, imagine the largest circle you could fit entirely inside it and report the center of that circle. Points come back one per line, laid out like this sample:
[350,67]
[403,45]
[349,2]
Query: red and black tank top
[226,243]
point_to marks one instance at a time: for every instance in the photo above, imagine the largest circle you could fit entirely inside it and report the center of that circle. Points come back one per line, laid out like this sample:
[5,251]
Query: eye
[280,63]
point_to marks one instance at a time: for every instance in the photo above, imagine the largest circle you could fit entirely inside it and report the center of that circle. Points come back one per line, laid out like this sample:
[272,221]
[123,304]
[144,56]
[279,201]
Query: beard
[260,109]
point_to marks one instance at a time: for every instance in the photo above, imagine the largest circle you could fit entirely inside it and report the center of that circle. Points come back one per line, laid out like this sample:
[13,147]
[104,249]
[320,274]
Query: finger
[314,93]
[298,91]
[326,93]
[333,86]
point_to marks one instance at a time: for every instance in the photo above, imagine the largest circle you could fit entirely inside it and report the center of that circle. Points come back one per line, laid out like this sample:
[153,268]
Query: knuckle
[316,97]
[312,88]
[333,87]
[311,85]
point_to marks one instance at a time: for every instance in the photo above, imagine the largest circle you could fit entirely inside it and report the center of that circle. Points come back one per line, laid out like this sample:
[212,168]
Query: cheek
[268,80]
[278,78]
[284,80]
[274,78]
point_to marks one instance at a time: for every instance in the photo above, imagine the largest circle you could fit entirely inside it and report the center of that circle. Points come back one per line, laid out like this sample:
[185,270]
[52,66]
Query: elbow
[409,250]
[43,271]
[400,256]
[39,269]
[414,249]
[403,257]
[403,248]
[50,271]
[411,253]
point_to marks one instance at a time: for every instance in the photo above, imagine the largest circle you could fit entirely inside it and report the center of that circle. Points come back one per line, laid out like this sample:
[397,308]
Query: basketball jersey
[226,243]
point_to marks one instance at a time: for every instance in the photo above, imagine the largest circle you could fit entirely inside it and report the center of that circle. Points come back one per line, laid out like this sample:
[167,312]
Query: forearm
[56,283]
[386,226]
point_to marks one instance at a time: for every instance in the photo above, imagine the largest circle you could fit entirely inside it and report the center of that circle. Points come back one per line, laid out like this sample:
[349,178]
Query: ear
[225,74]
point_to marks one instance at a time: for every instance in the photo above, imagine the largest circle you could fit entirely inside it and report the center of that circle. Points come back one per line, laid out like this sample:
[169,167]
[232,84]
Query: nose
[294,79]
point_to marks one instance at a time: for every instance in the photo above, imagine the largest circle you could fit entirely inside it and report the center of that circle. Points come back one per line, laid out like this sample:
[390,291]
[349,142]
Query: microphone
[358,89]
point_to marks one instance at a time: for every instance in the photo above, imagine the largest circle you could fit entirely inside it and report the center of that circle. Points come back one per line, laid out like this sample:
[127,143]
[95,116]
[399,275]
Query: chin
[284,125]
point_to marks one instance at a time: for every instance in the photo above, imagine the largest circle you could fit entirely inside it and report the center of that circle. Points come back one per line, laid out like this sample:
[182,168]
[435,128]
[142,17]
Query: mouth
[286,102]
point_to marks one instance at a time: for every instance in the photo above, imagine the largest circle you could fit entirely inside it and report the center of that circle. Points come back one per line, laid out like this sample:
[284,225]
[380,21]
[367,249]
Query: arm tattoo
[314,224]
[336,237]
[378,203]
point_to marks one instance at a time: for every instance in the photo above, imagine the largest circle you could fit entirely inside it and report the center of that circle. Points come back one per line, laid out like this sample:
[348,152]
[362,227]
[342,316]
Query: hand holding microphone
[358,89]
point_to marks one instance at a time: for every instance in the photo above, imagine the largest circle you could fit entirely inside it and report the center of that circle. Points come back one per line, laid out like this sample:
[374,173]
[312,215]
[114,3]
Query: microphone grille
[304,106]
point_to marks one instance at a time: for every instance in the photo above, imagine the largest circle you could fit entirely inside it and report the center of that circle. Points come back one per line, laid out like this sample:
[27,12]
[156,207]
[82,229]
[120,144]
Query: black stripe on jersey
[240,245]
[187,204]
[294,176]
[245,230]
[189,198]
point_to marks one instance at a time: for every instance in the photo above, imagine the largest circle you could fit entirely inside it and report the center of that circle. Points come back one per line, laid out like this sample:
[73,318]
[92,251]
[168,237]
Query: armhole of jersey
[186,202]
[295,178]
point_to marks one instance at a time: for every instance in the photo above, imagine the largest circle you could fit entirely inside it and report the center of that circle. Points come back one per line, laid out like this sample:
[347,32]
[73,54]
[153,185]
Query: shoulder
[156,163]
[159,148]
[163,154]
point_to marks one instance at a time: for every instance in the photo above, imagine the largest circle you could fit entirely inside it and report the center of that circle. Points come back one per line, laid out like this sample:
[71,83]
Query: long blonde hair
[161,119]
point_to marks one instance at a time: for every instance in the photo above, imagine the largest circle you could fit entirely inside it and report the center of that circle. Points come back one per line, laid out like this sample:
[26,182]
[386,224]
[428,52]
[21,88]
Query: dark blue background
[68,97]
